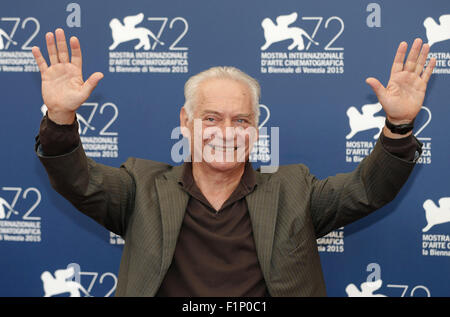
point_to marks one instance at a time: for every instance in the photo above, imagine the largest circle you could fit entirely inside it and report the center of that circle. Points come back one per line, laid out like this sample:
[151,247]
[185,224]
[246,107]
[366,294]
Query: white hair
[227,72]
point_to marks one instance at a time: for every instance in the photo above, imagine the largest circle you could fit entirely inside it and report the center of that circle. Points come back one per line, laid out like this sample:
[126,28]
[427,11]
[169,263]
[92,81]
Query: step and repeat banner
[311,59]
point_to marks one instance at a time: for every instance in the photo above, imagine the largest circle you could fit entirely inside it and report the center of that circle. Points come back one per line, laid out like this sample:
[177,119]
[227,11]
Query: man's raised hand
[403,96]
[63,87]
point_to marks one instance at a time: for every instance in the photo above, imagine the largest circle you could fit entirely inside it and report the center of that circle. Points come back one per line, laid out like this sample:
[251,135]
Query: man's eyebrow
[210,112]
[242,115]
[245,115]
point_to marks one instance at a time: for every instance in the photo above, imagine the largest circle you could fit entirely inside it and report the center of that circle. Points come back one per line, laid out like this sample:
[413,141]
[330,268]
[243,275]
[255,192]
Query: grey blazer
[143,202]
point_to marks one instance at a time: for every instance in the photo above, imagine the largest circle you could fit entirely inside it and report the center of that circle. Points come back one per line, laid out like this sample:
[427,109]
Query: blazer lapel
[173,201]
[263,207]
[262,204]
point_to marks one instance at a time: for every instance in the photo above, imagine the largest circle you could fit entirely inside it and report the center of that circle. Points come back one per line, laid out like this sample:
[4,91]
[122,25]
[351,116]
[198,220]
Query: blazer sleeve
[104,193]
[339,200]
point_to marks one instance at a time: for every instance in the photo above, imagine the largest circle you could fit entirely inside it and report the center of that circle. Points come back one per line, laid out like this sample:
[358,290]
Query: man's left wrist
[399,128]
[388,133]
[397,121]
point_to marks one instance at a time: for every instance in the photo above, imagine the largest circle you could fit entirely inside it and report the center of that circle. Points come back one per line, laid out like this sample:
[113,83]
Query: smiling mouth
[222,148]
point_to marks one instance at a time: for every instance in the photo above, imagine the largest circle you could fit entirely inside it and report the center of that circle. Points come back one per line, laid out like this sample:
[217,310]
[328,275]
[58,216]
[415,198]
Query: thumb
[91,83]
[376,86]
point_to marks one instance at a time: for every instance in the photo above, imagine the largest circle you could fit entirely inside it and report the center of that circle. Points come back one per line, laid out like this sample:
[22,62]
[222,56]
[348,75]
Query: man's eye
[241,120]
[210,119]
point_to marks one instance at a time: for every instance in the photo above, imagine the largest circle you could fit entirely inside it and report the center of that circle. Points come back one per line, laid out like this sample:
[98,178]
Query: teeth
[222,148]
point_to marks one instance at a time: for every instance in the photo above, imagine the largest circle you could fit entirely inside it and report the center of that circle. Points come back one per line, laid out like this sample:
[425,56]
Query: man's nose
[227,123]
[228,130]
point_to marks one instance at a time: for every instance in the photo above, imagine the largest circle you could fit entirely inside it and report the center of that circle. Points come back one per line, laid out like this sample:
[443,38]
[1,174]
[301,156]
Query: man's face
[225,115]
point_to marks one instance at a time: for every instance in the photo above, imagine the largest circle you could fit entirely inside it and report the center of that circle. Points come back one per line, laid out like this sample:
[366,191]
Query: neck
[212,180]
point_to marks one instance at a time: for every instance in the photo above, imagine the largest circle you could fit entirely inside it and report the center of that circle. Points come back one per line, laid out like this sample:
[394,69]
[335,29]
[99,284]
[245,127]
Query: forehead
[224,95]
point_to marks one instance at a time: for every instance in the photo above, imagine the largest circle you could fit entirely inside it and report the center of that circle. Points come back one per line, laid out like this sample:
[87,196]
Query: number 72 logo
[6,209]
[10,36]
[85,118]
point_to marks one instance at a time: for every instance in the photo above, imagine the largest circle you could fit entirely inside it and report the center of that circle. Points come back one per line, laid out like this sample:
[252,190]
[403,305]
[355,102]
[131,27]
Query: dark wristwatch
[401,128]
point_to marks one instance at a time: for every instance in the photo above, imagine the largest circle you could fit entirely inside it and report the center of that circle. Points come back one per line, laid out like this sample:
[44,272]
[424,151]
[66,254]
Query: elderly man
[217,227]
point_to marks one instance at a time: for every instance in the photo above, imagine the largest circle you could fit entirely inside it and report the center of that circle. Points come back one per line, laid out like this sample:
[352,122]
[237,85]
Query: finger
[422,59]
[376,86]
[51,48]
[63,51]
[91,83]
[76,52]
[397,65]
[429,70]
[40,60]
[411,61]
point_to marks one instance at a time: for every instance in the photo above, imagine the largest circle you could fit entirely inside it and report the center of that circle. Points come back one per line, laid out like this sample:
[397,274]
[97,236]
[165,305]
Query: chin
[223,166]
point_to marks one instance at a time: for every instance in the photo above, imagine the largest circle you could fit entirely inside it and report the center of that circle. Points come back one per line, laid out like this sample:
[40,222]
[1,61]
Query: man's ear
[184,119]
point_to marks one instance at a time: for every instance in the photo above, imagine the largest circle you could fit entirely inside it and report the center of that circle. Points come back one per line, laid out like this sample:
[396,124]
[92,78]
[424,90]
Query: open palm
[404,94]
[63,87]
